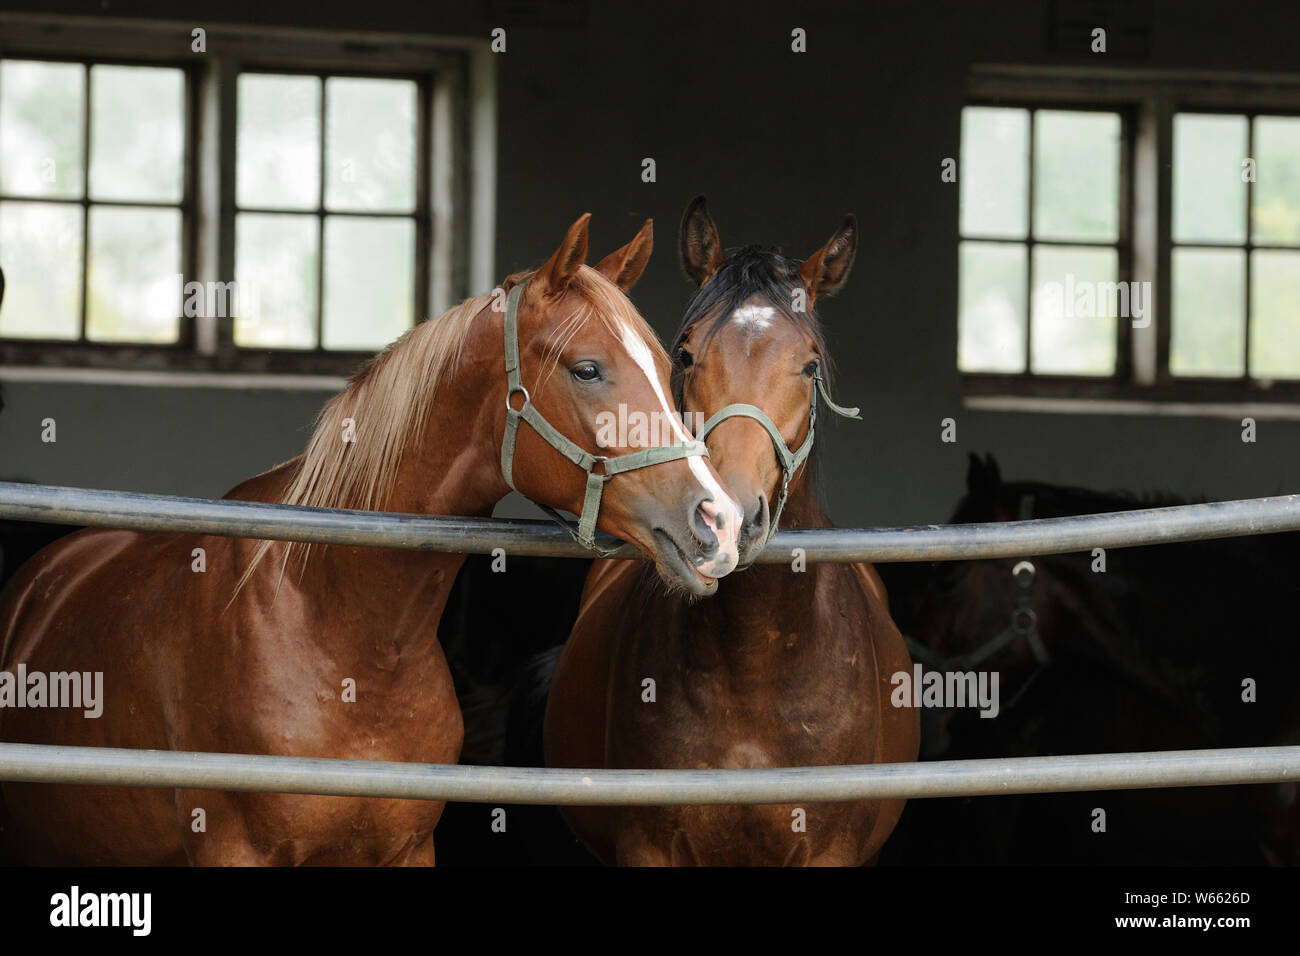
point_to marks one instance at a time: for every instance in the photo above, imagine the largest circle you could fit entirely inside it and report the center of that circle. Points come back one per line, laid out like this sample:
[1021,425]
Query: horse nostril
[706,523]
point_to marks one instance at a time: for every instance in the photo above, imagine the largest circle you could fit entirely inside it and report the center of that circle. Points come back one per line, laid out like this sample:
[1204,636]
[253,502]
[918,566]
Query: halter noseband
[585,533]
[790,460]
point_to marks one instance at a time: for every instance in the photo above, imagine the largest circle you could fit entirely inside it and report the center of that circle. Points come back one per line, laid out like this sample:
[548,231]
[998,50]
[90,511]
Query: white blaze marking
[640,353]
[753,318]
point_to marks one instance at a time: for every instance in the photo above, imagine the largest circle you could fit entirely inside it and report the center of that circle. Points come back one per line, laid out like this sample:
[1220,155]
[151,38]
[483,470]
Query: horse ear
[699,243]
[983,475]
[562,266]
[825,271]
[974,473]
[624,266]
[994,472]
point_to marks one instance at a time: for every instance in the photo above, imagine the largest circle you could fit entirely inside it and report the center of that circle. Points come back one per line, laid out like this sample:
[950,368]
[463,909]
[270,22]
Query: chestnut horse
[333,652]
[784,666]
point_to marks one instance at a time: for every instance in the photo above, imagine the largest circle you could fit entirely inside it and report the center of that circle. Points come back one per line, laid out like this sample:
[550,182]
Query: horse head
[754,361]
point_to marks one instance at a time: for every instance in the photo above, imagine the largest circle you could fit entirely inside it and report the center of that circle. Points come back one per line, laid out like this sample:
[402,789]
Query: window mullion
[1250,255]
[188,329]
[1124,245]
[1029,250]
[1162,277]
[1145,234]
[85,200]
[423,202]
[217,213]
[320,224]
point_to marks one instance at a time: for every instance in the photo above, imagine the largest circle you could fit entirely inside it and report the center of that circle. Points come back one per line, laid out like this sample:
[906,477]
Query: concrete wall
[784,146]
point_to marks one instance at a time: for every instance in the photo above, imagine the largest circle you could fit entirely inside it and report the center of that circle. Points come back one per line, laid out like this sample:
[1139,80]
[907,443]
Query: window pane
[275,266]
[370,145]
[369,265]
[1209,290]
[1209,196]
[993,173]
[278,142]
[40,246]
[1275,314]
[991,322]
[1076,300]
[42,106]
[1275,196]
[135,257]
[137,133]
[1076,175]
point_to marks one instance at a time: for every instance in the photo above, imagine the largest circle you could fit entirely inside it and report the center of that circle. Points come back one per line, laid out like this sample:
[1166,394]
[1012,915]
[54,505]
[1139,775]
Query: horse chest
[707,718]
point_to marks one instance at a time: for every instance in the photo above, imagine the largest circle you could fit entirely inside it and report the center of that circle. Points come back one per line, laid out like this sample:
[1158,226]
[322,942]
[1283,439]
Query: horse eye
[810,369]
[684,358]
[586,372]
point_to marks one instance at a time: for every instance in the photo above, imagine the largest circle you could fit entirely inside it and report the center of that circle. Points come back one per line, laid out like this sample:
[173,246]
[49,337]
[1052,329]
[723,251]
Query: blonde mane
[390,397]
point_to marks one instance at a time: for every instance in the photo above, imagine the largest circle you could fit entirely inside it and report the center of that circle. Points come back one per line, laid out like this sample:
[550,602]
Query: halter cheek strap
[585,532]
[790,461]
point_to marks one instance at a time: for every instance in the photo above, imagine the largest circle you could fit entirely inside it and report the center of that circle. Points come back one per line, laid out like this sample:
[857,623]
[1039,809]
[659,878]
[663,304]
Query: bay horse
[783,666]
[275,648]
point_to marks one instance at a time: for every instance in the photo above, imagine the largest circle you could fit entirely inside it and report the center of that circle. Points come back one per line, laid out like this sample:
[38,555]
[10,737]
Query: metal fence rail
[367,778]
[170,769]
[244,519]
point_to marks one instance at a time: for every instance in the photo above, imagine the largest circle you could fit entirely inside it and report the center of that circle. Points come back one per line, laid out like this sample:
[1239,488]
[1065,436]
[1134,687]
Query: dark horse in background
[1149,655]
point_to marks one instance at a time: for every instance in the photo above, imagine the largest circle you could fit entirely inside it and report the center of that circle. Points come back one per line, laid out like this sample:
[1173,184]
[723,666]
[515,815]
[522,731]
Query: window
[289,204]
[1236,246]
[326,219]
[1129,235]
[1040,217]
[92,200]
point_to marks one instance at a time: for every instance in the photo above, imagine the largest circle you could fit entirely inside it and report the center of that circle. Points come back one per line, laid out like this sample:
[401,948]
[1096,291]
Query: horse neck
[751,603]
[451,468]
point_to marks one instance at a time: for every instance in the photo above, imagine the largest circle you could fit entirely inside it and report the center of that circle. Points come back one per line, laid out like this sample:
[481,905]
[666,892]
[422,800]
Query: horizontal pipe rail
[366,778]
[250,519]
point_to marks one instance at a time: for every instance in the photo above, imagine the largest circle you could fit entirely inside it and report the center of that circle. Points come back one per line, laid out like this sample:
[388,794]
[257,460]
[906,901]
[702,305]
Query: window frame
[1123,243]
[1152,98]
[455,170]
[421,215]
[186,206]
[1246,246]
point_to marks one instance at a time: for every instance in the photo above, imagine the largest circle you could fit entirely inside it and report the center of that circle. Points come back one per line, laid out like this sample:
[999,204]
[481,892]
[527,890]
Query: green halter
[790,460]
[585,533]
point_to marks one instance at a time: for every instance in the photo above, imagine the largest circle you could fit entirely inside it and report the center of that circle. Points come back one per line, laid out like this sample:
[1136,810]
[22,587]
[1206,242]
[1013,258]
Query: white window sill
[1120,406]
[165,379]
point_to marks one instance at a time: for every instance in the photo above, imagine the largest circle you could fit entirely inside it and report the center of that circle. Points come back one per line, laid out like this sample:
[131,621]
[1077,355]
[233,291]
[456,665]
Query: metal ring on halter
[511,391]
[1023,620]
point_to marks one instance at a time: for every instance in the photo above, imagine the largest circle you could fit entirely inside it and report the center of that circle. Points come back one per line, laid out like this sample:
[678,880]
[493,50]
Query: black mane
[747,272]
